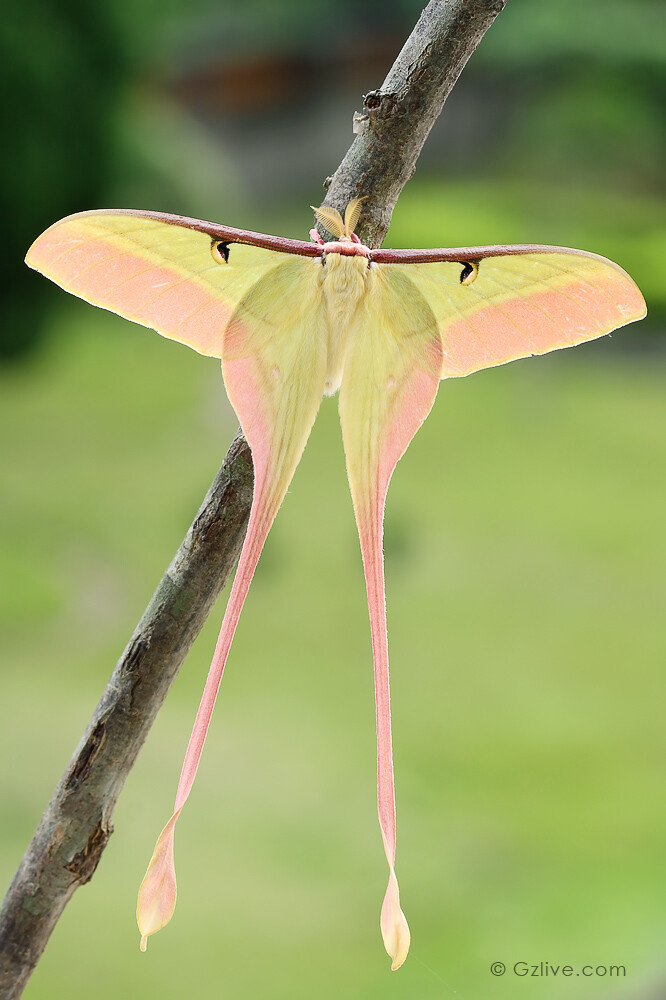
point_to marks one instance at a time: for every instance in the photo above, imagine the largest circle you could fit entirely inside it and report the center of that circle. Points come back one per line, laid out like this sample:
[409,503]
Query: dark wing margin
[216,232]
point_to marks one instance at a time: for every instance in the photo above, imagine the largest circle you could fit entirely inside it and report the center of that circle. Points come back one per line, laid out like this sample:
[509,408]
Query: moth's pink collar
[346,248]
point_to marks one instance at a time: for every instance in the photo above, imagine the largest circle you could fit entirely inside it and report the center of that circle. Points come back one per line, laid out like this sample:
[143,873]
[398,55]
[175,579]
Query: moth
[294,321]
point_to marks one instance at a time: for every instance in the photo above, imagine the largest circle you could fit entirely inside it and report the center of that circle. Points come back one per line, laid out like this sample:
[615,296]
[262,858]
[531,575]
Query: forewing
[159,270]
[522,301]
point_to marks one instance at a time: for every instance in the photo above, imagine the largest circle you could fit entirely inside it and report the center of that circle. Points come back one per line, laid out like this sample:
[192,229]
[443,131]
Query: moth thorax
[345,284]
[345,276]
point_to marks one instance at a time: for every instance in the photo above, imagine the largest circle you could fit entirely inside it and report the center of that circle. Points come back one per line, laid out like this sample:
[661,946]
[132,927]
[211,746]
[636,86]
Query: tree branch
[76,826]
[397,118]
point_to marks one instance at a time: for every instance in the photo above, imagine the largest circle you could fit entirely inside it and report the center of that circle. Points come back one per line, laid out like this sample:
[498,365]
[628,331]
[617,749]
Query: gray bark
[397,118]
[76,826]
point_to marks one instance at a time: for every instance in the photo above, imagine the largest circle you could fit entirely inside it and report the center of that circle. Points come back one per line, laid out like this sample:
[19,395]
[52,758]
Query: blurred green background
[525,536]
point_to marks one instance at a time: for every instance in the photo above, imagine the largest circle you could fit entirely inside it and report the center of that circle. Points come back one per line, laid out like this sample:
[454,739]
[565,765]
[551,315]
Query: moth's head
[341,229]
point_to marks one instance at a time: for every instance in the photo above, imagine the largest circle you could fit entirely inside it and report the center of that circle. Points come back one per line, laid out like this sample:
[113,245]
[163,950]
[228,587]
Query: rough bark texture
[397,118]
[76,826]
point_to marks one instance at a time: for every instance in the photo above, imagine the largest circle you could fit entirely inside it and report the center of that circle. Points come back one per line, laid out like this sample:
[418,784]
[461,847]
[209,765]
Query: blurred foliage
[589,84]
[62,66]
[612,32]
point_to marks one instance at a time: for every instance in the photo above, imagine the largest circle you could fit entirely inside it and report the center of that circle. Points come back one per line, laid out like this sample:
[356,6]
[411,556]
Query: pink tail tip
[157,892]
[394,926]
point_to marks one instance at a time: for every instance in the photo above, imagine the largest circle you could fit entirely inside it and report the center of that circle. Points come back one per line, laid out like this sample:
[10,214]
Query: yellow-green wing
[274,366]
[496,304]
[159,270]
